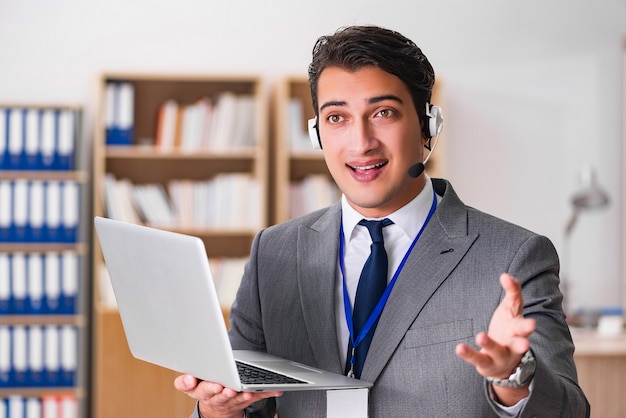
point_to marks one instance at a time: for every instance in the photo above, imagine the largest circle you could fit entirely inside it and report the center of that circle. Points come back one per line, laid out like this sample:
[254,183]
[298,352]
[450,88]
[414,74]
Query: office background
[532,91]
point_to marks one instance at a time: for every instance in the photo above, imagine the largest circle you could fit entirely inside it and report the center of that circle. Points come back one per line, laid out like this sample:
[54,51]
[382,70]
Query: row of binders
[33,138]
[58,405]
[226,201]
[39,210]
[38,356]
[39,283]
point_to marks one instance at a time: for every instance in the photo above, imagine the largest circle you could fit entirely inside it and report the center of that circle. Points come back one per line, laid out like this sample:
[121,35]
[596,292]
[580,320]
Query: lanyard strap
[383,300]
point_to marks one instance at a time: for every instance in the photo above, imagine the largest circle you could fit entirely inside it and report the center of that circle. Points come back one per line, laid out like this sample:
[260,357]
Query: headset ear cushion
[435,120]
[314,134]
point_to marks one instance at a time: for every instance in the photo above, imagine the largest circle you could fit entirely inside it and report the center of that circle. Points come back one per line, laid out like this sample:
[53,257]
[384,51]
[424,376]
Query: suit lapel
[441,247]
[317,249]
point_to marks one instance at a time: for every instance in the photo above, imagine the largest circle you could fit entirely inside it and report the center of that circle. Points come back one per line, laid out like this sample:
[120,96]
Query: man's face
[371,135]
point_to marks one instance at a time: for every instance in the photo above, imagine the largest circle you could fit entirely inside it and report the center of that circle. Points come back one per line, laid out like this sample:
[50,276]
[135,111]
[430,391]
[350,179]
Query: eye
[334,118]
[385,113]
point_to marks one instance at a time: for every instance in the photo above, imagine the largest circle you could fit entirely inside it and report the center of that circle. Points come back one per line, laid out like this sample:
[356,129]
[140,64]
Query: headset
[432,128]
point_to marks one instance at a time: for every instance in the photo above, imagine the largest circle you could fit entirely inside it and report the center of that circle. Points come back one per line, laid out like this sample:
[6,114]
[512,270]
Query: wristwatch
[522,374]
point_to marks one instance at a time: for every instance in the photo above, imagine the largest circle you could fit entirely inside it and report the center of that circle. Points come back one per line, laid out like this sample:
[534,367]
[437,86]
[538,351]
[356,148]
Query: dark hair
[355,47]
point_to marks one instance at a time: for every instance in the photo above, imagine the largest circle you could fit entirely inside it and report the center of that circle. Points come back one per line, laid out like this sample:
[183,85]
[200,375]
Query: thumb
[185,382]
[513,294]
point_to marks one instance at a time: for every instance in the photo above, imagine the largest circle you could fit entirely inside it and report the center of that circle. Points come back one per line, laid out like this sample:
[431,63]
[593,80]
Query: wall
[532,89]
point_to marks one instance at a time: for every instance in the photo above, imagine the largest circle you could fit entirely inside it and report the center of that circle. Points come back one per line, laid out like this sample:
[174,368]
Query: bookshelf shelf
[144,160]
[44,256]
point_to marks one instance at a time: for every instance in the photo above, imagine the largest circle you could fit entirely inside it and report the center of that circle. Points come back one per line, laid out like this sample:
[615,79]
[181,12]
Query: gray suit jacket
[446,294]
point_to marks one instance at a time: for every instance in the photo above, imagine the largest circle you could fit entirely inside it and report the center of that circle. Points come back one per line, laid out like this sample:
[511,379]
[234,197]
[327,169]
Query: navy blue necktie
[372,285]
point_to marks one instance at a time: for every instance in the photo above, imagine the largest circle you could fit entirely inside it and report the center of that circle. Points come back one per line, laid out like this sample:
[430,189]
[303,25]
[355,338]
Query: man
[447,293]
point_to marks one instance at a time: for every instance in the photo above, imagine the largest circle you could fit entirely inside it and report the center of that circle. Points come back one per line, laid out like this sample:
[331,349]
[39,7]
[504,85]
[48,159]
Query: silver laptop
[172,317]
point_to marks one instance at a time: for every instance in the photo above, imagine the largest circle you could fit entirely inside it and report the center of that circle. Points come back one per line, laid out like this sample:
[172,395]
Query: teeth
[368,167]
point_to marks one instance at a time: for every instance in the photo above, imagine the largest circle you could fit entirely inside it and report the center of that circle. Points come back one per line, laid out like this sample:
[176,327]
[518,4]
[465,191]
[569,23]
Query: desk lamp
[590,196]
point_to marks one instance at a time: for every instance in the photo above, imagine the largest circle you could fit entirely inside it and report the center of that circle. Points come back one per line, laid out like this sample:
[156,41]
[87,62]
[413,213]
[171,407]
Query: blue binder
[35,231]
[52,284]
[15,139]
[120,113]
[32,140]
[69,355]
[52,356]
[69,283]
[36,376]
[35,287]
[5,285]
[20,210]
[66,140]
[48,138]
[4,137]
[5,356]
[19,284]
[19,356]
[6,207]
[53,212]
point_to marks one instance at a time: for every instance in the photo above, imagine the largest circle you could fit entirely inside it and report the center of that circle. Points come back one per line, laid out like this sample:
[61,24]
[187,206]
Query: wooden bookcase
[43,307]
[122,385]
[295,162]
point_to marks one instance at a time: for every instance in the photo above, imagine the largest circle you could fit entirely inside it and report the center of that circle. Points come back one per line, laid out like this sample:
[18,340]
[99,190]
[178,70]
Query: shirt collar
[409,218]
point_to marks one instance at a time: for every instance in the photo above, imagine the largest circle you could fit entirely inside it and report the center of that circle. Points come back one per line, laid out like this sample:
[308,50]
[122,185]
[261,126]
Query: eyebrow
[373,100]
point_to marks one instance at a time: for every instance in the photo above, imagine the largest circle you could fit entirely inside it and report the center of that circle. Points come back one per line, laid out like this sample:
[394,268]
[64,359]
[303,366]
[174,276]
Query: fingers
[214,398]
[493,359]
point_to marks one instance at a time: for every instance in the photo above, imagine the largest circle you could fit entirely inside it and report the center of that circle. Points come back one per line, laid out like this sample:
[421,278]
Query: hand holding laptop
[214,400]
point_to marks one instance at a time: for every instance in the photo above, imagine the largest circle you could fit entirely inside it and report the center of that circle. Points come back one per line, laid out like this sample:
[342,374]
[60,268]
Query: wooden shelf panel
[153,170]
[136,152]
[42,247]
[77,320]
[43,391]
[79,176]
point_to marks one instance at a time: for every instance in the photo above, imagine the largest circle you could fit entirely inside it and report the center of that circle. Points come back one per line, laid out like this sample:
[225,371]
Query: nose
[363,138]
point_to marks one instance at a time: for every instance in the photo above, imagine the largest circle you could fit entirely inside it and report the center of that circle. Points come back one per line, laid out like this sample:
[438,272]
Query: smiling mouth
[366,168]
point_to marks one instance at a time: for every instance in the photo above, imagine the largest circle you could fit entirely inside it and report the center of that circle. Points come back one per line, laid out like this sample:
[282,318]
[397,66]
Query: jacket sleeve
[555,387]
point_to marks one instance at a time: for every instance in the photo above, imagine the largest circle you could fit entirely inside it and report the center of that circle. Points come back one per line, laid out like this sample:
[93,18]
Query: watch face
[527,370]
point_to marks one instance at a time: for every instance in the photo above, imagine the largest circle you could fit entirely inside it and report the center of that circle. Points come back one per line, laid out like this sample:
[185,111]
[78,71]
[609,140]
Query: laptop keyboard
[254,375]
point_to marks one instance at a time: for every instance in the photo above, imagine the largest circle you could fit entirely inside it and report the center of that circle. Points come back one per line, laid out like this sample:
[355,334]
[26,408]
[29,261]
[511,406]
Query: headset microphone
[416,169]
[434,127]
